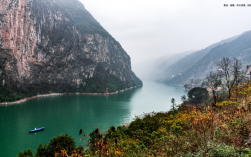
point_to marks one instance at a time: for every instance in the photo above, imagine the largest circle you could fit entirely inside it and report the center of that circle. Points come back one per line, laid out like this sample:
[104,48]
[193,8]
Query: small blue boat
[36,130]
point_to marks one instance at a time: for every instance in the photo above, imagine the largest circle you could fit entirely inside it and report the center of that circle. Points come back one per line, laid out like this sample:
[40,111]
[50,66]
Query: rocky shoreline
[55,94]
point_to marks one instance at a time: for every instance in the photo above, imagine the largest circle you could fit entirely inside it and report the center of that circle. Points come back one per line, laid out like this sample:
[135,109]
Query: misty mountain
[198,64]
[53,46]
[152,69]
[168,61]
[183,64]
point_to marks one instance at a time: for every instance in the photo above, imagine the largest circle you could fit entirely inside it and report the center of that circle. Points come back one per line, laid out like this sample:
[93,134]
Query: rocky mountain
[239,48]
[182,65]
[57,46]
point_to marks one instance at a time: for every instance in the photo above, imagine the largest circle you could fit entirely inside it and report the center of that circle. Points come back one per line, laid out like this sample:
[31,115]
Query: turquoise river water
[69,113]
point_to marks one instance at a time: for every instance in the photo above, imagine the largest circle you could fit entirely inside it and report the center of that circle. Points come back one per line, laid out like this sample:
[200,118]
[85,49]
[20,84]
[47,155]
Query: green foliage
[136,80]
[197,95]
[25,153]
[61,142]
[101,80]
[173,106]
[9,93]
[183,98]
[220,150]
[13,93]
[77,18]
[176,129]
[94,136]
[43,150]
[190,132]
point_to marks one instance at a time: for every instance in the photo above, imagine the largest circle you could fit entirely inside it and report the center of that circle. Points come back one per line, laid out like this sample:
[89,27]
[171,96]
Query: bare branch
[236,70]
[231,71]
[214,81]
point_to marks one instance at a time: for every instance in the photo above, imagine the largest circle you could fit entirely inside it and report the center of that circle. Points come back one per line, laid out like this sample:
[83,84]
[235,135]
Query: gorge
[56,46]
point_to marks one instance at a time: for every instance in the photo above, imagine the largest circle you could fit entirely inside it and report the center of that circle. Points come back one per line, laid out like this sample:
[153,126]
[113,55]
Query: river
[69,113]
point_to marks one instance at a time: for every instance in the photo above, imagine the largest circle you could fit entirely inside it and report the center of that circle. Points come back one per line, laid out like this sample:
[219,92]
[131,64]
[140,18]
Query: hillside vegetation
[240,48]
[198,64]
[223,130]
[70,53]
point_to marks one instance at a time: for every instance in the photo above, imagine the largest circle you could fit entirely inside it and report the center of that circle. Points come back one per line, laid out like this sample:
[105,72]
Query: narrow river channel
[68,114]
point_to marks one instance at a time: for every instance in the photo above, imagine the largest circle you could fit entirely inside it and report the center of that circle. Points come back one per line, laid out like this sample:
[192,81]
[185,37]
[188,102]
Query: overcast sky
[154,28]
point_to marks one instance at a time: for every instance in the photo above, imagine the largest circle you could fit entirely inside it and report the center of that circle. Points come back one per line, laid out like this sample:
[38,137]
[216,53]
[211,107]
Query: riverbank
[69,113]
[29,98]
[56,94]
[222,130]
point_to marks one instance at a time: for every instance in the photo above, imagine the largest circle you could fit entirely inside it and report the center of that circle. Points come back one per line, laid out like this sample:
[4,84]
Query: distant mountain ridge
[198,64]
[152,69]
[172,59]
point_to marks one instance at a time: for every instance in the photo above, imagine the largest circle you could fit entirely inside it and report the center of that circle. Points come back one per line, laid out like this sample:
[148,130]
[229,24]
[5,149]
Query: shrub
[197,95]
[56,144]
[25,153]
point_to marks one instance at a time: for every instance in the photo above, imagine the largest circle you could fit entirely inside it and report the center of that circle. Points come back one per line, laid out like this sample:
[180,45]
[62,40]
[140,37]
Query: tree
[186,86]
[231,72]
[204,84]
[25,153]
[236,70]
[57,144]
[197,95]
[173,102]
[183,98]
[214,81]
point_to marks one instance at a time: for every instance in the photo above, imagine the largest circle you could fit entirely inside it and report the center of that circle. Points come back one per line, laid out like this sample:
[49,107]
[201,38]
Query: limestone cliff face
[56,45]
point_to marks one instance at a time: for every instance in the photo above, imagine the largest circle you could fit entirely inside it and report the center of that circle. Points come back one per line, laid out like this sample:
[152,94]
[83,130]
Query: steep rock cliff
[57,46]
